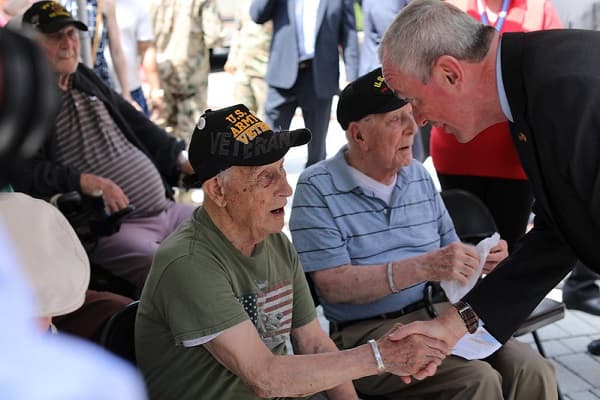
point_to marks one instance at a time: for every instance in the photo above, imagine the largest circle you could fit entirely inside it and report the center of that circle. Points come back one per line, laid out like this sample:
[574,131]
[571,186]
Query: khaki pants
[515,372]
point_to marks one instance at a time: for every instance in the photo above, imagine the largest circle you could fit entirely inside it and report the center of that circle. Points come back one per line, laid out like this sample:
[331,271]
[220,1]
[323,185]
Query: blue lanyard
[501,14]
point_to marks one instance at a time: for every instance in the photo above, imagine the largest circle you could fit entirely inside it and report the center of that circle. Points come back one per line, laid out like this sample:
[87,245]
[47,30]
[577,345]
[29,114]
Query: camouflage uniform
[249,54]
[183,60]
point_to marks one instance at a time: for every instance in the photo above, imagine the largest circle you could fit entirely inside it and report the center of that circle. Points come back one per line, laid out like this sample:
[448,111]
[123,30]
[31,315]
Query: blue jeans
[138,96]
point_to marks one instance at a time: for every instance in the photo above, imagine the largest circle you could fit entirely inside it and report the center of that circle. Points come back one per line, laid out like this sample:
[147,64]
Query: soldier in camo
[247,60]
[184,30]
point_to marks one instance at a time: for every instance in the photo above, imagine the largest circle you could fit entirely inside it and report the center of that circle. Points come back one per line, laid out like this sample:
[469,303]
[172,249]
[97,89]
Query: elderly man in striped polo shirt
[371,230]
[101,145]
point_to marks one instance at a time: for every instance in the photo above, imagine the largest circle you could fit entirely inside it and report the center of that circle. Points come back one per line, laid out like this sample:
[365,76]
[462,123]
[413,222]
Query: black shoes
[594,347]
[591,306]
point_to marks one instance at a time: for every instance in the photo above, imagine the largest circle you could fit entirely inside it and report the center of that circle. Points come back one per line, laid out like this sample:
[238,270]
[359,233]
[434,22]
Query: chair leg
[538,343]
[540,347]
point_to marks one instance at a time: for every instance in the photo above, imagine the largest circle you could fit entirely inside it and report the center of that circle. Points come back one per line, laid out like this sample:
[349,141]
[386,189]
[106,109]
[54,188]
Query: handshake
[416,350]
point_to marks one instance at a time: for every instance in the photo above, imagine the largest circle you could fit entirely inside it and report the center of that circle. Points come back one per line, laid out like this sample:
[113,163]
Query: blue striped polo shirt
[335,222]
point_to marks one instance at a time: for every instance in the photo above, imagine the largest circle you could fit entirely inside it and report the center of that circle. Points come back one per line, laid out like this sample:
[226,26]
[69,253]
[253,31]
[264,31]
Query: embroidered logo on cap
[245,127]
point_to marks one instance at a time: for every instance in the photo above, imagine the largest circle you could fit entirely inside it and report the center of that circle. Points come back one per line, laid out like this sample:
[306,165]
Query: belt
[433,294]
[305,64]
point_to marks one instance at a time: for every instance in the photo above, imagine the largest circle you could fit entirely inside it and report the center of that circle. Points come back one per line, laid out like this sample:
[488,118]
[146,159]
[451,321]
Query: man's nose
[286,189]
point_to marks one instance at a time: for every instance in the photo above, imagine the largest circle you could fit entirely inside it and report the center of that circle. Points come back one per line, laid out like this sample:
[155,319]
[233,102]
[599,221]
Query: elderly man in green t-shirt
[226,290]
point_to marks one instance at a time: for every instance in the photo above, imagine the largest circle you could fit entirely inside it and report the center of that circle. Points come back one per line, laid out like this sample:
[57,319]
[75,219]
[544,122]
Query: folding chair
[474,222]
[118,334]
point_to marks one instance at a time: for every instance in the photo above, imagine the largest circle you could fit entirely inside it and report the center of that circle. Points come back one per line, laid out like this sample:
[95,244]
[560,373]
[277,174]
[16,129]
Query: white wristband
[390,276]
[377,355]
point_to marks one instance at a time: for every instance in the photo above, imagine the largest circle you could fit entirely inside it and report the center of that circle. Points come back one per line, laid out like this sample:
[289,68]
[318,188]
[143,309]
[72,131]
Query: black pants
[581,285]
[509,201]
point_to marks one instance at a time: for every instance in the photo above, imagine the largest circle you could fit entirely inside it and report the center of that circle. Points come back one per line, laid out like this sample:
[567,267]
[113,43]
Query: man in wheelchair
[102,147]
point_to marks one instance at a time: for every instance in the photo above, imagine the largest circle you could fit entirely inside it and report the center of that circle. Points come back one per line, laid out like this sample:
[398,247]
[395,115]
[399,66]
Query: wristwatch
[468,316]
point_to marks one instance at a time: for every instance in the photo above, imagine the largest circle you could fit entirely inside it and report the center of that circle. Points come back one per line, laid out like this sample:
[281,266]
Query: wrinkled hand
[497,254]
[454,262]
[94,185]
[415,355]
[448,328]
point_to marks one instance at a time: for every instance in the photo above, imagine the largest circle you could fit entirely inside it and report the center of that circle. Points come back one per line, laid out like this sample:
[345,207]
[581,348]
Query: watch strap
[468,316]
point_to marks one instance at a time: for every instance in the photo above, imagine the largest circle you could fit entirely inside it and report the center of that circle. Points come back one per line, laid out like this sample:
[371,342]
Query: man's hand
[497,254]
[455,262]
[94,185]
[187,168]
[415,355]
[447,328]
[156,101]
[230,67]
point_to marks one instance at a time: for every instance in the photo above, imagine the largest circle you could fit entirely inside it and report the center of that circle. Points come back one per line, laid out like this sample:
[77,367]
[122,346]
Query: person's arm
[311,339]
[147,52]
[349,40]
[366,284]
[43,176]
[240,350]
[116,50]
[233,57]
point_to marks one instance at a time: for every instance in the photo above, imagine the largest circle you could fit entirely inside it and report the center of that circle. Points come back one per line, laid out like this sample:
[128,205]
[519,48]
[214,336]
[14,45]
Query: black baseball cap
[50,17]
[233,136]
[368,94]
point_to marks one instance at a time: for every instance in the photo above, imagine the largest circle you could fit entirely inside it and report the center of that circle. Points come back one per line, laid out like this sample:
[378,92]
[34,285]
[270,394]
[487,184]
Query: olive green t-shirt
[200,285]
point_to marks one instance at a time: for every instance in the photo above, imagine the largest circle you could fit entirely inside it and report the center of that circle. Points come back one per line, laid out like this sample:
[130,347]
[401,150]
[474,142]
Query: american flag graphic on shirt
[270,310]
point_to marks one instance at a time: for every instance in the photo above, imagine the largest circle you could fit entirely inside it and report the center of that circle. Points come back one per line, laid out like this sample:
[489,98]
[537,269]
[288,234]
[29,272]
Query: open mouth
[277,211]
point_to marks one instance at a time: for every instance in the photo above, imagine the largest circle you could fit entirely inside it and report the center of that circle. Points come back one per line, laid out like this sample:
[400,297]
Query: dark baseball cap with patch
[368,94]
[233,136]
[50,17]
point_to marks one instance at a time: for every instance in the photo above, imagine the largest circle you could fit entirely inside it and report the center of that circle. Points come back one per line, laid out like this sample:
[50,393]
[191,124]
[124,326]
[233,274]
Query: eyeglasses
[270,177]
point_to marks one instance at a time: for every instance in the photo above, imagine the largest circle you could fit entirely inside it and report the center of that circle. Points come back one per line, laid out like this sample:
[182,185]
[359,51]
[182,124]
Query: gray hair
[427,29]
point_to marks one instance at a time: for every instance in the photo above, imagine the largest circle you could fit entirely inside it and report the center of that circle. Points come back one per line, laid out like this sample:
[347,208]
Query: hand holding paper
[455,290]
[480,344]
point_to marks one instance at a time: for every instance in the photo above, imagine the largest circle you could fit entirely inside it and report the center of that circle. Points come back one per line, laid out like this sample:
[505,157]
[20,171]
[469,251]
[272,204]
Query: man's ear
[356,134]
[215,190]
[448,72]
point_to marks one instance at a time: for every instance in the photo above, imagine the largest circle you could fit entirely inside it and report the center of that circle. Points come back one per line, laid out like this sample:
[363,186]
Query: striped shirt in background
[335,222]
[89,140]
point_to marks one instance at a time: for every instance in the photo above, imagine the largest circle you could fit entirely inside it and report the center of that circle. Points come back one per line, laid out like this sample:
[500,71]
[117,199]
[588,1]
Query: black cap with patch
[50,17]
[233,136]
[368,94]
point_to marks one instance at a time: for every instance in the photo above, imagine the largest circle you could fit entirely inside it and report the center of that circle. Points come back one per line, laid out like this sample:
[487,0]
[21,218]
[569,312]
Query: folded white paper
[455,290]
[480,344]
